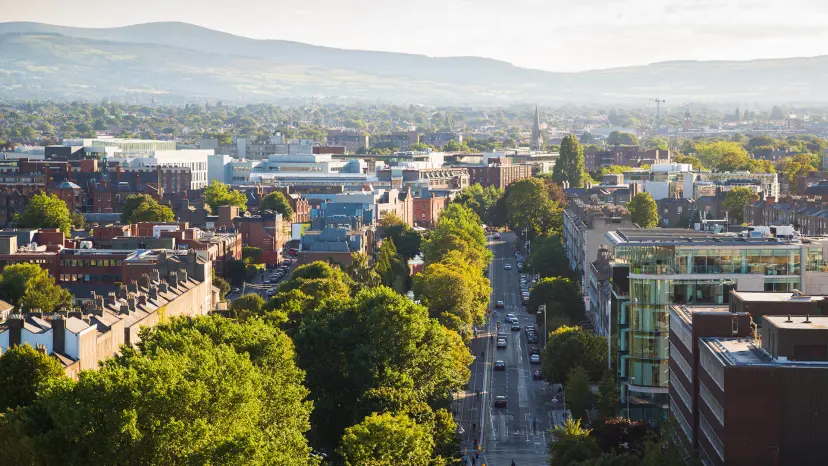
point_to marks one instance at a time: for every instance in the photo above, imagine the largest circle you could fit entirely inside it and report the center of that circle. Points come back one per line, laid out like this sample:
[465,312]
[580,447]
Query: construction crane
[658,113]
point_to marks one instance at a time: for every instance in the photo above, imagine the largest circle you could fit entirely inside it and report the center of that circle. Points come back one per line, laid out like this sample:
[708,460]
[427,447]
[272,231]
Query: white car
[507,266]
[501,342]
[535,359]
[510,315]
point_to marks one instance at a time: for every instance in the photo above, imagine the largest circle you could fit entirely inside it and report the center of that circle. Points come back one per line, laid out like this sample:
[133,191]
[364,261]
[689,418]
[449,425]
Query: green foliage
[454,146]
[391,267]
[608,395]
[548,258]
[31,287]
[251,255]
[220,194]
[248,305]
[619,138]
[44,211]
[570,164]
[568,347]
[23,371]
[697,164]
[376,339]
[386,440]
[655,142]
[561,295]
[192,395]
[528,207]
[791,168]
[578,395]
[454,292]
[622,435]
[319,281]
[735,202]
[144,208]
[571,444]
[643,210]
[479,199]
[361,271]
[728,156]
[235,271]
[277,202]
[222,285]
[458,229]
[406,240]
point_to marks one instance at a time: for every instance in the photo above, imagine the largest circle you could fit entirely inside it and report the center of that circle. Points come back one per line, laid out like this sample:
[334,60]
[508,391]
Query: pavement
[519,431]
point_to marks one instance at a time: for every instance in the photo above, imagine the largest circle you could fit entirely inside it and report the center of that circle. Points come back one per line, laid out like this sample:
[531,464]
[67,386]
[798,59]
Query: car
[500,401]
[234,290]
[500,304]
[271,292]
[512,320]
[535,359]
[537,374]
[510,315]
[274,279]
[502,334]
[501,343]
[532,339]
[500,366]
[507,266]
[497,235]
[516,327]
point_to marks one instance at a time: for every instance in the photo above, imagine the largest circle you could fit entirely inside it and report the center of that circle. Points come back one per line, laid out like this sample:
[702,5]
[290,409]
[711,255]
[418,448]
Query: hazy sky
[558,35]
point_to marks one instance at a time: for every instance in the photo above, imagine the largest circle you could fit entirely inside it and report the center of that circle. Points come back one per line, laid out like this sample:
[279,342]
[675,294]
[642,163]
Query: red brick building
[427,210]
[499,176]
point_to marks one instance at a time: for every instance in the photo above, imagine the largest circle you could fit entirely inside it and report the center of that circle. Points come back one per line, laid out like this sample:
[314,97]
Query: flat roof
[764,297]
[798,322]
[686,312]
[683,237]
[738,351]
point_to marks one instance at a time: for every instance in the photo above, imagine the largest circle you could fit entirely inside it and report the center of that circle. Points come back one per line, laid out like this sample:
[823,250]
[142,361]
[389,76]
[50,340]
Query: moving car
[537,374]
[500,401]
[510,315]
[532,338]
[507,266]
[271,292]
[502,334]
[534,350]
[501,342]
[515,327]
[234,290]
[500,366]
[500,304]
[535,359]
[497,235]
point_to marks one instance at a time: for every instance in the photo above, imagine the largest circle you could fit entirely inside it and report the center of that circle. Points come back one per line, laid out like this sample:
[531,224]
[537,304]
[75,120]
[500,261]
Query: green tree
[391,267]
[721,155]
[568,347]
[562,298]
[44,211]
[479,199]
[454,146]
[454,292]
[277,202]
[620,138]
[548,258]
[458,229]
[570,164]
[386,440]
[697,164]
[655,142]
[361,271]
[406,239]
[419,146]
[235,271]
[31,287]
[578,395]
[608,395]
[528,207]
[571,444]
[791,168]
[735,202]
[219,194]
[144,208]
[23,371]
[222,285]
[643,210]
[251,255]
[248,305]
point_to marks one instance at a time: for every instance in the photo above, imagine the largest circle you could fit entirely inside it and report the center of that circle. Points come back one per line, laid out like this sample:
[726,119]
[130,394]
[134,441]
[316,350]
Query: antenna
[658,113]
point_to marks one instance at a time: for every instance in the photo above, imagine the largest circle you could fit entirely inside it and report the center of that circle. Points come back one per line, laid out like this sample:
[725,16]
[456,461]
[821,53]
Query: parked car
[497,235]
[535,359]
[500,401]
[234,290]
[537,374]
[515,327]
[532,338]
[534,350]
[500,366]
[501,343]
[500,304]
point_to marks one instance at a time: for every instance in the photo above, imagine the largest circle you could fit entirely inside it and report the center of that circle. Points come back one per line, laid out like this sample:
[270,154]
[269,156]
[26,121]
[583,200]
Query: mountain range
[180,62]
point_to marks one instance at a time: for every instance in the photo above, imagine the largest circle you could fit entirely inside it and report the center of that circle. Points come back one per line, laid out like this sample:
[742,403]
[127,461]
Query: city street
[508,433]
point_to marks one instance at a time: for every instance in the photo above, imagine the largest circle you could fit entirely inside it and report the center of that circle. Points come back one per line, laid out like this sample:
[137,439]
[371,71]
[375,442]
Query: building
[674,266]
[427,210]
[536,142]
[421,181]
[195,160]
[499,175]
[441,138]
[353,141]
[402,140]
[809,216]
[676,212]
[82,339]
[784,372]
[627,156]
[124,147]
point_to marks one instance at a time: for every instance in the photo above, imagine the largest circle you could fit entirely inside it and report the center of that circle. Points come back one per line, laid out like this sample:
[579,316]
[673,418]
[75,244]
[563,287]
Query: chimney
[172,279]
[163,287]
[131,303]
[182,276]
[58,334]
[41,348]
[141,300]
[160,186]
[156,276]
[110,299]
[138,181]
[118,174]
[145,281]
[133,286]
[75,314]
[124,308]
[153,292]
[15,322]
[122,291]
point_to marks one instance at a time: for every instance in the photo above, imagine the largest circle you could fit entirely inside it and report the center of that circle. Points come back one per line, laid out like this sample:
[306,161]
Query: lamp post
[542,307]
[629,381]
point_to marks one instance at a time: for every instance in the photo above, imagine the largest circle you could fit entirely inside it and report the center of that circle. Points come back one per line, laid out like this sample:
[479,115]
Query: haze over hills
[180,62]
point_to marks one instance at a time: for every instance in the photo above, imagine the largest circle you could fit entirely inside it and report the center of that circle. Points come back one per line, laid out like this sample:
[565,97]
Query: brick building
[351,140]
[427,210]
[499,176]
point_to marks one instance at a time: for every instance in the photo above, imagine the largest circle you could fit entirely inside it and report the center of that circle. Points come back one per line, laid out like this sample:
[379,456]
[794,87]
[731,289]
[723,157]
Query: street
[508,433]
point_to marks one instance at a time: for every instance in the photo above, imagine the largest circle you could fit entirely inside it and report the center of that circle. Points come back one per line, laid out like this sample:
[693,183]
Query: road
[260,284]
[508,432]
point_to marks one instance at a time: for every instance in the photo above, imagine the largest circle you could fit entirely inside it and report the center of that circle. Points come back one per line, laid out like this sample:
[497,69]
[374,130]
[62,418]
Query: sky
[554,35]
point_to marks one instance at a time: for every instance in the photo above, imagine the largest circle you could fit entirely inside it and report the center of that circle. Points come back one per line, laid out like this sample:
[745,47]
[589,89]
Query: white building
[197,160]
[124,146]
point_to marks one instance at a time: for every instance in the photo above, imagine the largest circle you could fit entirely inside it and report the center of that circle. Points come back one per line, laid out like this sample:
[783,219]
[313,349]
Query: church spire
[537,138]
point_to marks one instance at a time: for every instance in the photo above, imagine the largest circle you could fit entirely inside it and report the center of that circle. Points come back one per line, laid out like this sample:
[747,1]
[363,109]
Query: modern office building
[196,160]
[676,266]
[124,147]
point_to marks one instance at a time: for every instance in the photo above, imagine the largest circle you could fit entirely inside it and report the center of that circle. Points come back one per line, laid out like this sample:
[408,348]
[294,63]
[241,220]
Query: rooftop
[738,351]
[798,322]
[763,297]
[686,312]
[683,237]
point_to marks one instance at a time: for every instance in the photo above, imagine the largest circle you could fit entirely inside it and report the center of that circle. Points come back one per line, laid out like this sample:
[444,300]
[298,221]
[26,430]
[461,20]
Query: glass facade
[814,261]
[777,261]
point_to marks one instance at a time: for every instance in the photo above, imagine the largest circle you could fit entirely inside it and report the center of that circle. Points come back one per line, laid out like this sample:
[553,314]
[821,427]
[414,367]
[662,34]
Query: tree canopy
[561,296]
[528,207]
[23,371]
[568,347]
[31,287]
[45,211]
[277,202]
[479,199]
[735,202]
[458,229]
[144,208]
[578,395]
[620,138]
[570,164]
[643,210]
[219,194]
[386,440]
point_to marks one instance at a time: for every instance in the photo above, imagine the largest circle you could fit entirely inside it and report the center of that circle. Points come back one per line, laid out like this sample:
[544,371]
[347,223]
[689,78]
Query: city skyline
[530,34]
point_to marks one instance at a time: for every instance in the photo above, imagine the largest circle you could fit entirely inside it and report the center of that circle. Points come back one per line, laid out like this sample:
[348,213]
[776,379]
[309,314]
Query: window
[714,405]
[682,363]
[711,365]
[679,387]
[711,436]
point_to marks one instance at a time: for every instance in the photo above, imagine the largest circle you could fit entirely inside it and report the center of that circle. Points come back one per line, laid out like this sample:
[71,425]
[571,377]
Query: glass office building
[654,268]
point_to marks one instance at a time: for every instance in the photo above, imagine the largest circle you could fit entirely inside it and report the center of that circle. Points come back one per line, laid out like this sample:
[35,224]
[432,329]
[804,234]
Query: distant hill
[180,62]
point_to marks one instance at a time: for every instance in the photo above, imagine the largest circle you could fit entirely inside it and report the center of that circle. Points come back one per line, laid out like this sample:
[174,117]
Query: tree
[222,285]
[570,164]
[561,296]
[655,142]
[23,371]
[735,202]
[361,271]
[247,305]
[568,347]
[479,199]
[78,221]
[458,229]
[794,167]
[419,146]
[578,395]
[697,165]
[548,259]
[454,146]
[219,194]
[622,435]
[45,211]
[235,271]
[643,210]
[528,207]
[391,267]
[31,287]
[386,440]
[406,240]
[277,202]
[619,138]
[712,154]
[571,444]
[251,255]
[454,292]
[608,395]
[587,137]
[143,208]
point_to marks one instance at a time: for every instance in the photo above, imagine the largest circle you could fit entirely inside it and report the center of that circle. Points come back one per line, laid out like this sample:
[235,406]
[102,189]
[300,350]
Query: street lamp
[542,307]
[629,381]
